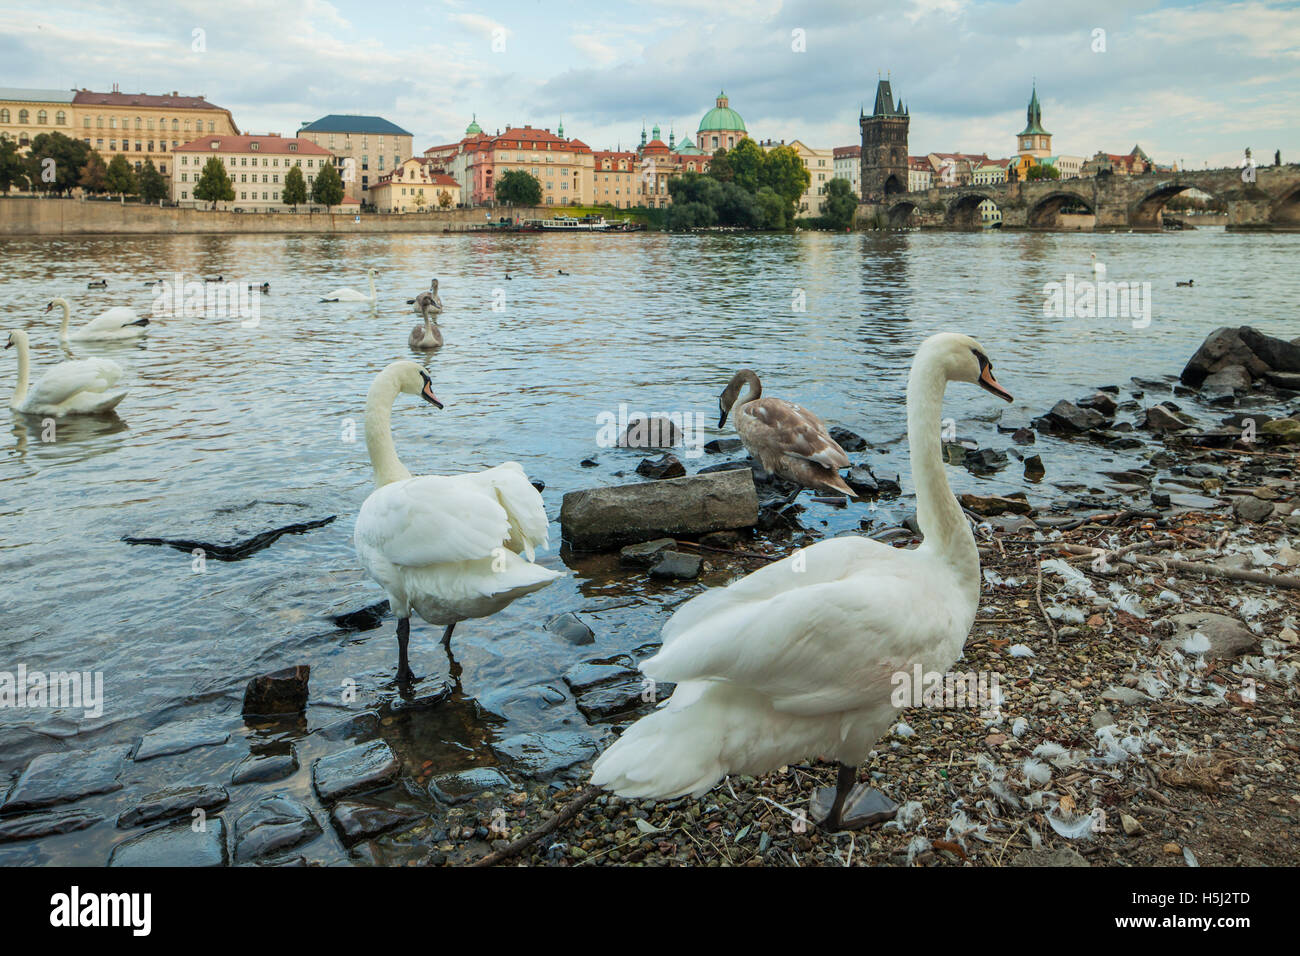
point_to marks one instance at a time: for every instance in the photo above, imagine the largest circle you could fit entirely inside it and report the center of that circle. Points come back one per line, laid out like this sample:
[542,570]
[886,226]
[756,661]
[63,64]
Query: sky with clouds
[1190,81]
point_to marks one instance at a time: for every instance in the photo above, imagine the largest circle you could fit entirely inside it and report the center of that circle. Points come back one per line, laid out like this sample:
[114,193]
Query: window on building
[60,118]
[4,116]
[22,116]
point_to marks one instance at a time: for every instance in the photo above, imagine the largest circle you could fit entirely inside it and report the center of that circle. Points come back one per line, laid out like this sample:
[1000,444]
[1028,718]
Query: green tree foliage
[520,188]
[327,189]
[13,171]
[1042,171]
[785,172]
[444,199]
[720,167]
[214,185]
[840,204]
[94,174]
[153,186]
[747,161]
[69,156]
[774,211]
[120,176]
[295,187]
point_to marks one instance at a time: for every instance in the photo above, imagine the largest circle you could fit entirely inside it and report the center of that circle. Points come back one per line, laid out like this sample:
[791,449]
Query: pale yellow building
[138,126]
[820,164]
[415,186]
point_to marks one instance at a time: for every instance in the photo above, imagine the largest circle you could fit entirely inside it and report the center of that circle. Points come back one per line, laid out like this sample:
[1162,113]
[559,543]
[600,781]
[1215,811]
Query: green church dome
[722,116]
[473,128]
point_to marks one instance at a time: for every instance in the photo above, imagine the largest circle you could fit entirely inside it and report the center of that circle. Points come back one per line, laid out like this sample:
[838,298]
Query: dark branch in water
[528,839]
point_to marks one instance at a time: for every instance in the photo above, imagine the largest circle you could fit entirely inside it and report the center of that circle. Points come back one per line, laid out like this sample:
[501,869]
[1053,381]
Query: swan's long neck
[372,285]
[751,392]
[940,517]
[20,390]
[67,317]
[379,431]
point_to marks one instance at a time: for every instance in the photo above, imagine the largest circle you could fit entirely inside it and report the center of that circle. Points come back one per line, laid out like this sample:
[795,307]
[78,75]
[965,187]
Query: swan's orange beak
[990,384]
[427,394]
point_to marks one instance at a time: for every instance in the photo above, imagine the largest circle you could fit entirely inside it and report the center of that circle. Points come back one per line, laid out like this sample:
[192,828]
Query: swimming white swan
[117,324]
[352,295]
[1098,268]
[801,658]
[786,439]
[446,547]
[84,387]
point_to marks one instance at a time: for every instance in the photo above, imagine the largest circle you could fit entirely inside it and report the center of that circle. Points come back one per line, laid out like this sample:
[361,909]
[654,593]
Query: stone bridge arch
[1286,211]
[900,214]
[964,211]
[1045,212]
[1146,213]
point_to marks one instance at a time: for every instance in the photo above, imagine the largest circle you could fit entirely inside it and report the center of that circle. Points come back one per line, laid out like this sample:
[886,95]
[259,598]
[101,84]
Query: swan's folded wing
[432,520]
[69,378]
[815,649]
[529,526]
[112,320]
[798,432]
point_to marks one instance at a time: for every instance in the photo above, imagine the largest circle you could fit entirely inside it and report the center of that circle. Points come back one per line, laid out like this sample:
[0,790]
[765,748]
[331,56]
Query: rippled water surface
[219,414]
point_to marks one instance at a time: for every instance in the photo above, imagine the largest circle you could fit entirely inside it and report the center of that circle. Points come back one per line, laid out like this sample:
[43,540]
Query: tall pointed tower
[884,146]
[1033,139]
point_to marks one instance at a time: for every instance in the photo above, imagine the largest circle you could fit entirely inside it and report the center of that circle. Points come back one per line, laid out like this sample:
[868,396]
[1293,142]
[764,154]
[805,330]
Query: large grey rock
[1068,417]
[1250,508]
[281,692]
[65,776]
[1228,637]
[588,674]
[461,785]
[175,845]
[182,736]
[173,802]
[366,766]
[1229,377]
[1162,418]
[266,764]
[274,823]
[599,518]
[360,821]
[1245,346]
[541,755]
[29,826]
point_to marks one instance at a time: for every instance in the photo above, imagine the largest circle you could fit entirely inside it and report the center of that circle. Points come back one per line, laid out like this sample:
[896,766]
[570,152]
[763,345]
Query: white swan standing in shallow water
[352,295]
[800,658]
[447,548]
[84,387]
[117,324]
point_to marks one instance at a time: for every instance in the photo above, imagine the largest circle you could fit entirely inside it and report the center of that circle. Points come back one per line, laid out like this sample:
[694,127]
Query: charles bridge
[1270,202]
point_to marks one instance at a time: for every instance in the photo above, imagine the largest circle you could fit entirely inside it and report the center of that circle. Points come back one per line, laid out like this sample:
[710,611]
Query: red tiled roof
[841,152]
[240,144]
[89,98]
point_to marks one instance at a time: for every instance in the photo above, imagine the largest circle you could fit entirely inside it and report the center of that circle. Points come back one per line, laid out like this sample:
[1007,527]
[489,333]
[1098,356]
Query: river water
[221,414]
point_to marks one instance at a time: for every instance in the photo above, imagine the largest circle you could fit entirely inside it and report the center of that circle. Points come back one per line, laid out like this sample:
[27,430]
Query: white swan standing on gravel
[117,324]
[801,658]
[83,387]
[447,548]
[352,295]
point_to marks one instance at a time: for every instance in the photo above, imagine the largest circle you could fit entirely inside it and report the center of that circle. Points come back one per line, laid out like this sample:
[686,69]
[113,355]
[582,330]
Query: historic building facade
[884,146]
[720,128]
[848,165]
[256,165]
[364,148]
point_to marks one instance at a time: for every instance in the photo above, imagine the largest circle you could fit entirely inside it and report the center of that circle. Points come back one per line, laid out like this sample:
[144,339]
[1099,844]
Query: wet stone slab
[66,776]
[176,844]
[273,824]
[545,754]
[610,700]
[362,726]
[589,674]
[236,530]
[183,736]
[356,821]
[51,822]
[367,766]
[264,766]
[461,785]
[173,802]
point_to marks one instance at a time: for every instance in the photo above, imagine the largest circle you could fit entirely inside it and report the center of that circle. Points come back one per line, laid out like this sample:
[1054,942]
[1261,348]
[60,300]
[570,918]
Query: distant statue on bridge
[1277,157]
